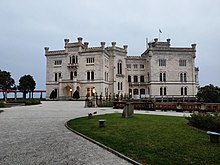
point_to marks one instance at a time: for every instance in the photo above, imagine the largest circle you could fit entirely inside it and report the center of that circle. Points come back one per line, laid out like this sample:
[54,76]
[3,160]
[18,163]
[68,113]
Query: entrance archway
[68,91]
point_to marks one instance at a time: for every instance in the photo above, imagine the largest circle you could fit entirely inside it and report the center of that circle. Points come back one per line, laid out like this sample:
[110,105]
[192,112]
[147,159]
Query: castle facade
[160,71]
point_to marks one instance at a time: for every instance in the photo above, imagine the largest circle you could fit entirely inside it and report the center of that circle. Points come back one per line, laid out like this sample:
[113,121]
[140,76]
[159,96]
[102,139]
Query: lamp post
[71,91]
[93,98]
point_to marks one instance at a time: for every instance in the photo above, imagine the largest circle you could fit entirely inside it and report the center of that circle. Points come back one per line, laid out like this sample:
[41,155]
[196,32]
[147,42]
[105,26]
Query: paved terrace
[37,135]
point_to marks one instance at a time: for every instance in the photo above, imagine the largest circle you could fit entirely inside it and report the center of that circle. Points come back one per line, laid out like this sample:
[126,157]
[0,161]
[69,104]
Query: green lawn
[151,139]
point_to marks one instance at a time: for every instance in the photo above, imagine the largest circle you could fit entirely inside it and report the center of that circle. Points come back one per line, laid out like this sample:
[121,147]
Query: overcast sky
[27,26]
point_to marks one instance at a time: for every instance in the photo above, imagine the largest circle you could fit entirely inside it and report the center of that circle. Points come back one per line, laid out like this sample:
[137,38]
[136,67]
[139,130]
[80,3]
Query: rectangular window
[163,76]
[135,91]
[88,75]
[55,76]
[142,91]
[142,78]
[182,62]
[90,60]
[128,65]
[142,66]
[92,75]
[71,75]
[58,62]
[129,78]
[162,62]
[135,66]
[135,78]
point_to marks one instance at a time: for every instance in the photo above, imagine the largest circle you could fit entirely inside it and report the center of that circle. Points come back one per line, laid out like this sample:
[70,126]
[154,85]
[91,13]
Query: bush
[105,104]
[26,102]
[2,104]
[205,121]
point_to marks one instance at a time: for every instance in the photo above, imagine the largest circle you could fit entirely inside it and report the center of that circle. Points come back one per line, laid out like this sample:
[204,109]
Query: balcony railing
[75,65]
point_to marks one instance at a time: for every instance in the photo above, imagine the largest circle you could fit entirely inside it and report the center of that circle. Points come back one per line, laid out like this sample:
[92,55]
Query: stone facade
[161,71]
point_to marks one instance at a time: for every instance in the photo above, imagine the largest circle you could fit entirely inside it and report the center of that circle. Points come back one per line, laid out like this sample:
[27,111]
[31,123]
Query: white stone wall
[106,76]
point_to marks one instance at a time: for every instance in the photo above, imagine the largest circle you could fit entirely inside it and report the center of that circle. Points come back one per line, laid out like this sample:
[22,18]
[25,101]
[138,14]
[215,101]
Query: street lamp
[93,91]
[71,90]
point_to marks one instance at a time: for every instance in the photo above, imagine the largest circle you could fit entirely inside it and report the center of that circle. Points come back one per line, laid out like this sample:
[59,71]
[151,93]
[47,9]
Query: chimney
[79,39]
[46,49]
[193,46]
[66,41]
[86,44]
[125,47]
[103,44]
[113,44]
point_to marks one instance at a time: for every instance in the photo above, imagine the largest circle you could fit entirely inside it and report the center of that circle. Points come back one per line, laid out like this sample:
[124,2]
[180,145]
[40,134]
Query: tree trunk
[24,95]
[5,96]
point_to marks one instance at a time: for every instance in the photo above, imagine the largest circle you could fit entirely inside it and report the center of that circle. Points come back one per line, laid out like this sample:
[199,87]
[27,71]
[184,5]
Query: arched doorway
[68,91]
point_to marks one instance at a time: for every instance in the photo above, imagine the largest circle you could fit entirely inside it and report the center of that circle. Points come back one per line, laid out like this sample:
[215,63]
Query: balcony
[138,83]
[75,65]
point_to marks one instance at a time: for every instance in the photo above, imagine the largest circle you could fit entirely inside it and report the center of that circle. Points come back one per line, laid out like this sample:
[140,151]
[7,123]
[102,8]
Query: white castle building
[161,71]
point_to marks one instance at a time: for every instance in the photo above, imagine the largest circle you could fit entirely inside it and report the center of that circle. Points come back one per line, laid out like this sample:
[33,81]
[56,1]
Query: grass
[151,139]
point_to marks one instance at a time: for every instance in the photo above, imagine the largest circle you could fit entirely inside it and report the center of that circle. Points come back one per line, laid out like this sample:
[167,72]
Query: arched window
[185,91]
[181,77]
[88,75]
[119,67]
[75,73]
[164,91]
[161,91]
[92,75]
[185,78]
[164,77]
[181,91]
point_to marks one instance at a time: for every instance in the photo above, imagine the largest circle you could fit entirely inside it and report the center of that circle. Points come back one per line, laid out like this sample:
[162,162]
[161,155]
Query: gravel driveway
[37,135]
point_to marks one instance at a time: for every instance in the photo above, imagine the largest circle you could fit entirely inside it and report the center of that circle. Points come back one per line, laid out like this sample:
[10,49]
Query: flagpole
[146,42]
[159,35]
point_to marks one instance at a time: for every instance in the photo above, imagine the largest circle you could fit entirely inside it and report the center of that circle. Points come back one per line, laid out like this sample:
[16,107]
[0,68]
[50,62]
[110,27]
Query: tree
[53,94]
[209,94]
[26,84]
[6,82]
[76,95]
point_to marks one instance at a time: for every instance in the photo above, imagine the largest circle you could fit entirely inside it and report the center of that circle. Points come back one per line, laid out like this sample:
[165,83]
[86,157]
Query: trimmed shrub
[105,104]
[205,121]
[27,102]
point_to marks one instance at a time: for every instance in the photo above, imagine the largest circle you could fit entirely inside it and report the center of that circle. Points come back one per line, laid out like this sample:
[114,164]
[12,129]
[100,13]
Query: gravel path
[37,135]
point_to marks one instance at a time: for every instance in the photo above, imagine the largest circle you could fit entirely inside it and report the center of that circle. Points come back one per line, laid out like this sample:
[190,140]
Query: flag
[160,31]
